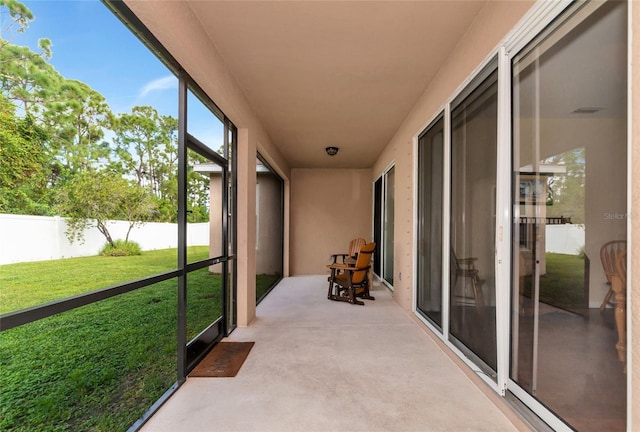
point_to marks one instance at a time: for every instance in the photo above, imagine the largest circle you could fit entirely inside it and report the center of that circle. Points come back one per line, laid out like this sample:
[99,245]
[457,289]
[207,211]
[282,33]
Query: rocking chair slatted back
[355,245]
[363,261]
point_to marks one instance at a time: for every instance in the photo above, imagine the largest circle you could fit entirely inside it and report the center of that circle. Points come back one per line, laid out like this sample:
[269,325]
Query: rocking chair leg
[366,294]
[352,297]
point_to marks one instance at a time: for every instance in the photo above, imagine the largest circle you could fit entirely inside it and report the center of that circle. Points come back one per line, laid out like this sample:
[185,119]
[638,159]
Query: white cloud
[168,82]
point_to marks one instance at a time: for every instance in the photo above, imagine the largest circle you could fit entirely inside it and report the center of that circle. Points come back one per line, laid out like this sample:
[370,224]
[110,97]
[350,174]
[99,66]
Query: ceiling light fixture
[331,151]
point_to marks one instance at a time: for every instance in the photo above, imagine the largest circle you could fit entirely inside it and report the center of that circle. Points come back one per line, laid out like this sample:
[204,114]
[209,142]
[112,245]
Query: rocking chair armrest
[335,256]
[467,263]
[346,267]
[469,260]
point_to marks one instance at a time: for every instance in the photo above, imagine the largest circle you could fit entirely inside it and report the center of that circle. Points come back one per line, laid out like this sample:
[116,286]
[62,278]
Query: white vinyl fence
[565,239]
[37,238]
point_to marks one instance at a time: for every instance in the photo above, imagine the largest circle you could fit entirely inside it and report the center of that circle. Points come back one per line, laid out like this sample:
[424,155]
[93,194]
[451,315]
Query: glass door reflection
[430,179]
[569,172]
[473,203]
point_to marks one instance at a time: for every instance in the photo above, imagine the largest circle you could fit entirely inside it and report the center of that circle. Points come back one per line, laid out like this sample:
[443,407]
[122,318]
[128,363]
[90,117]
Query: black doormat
[224,360]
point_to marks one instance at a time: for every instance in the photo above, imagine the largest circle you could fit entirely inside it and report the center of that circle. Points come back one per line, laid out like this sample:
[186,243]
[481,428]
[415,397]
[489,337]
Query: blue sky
[91,45]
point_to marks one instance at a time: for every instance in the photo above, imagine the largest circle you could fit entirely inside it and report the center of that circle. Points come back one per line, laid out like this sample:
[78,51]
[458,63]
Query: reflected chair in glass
[465,268]
[619,288]
[348,282]
[608,255]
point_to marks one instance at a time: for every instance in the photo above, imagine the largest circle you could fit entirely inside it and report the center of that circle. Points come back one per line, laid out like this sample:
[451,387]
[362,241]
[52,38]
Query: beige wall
[246,223]
[329,207]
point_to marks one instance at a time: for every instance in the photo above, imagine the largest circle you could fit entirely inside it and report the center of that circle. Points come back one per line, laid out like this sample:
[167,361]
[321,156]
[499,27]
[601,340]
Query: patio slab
[319,365]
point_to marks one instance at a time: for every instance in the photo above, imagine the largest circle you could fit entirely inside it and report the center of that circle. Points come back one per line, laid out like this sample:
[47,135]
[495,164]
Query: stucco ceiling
[333,73]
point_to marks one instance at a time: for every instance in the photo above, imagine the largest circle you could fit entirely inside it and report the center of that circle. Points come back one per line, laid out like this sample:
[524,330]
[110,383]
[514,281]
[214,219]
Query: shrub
[121,248]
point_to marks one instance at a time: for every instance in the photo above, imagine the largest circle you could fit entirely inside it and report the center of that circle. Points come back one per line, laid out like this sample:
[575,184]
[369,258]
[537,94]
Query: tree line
[64,152]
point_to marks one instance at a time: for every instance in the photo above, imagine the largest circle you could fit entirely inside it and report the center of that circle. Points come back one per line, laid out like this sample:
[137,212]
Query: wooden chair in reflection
[350,281]
[465,268]
[608,255]
[619,288]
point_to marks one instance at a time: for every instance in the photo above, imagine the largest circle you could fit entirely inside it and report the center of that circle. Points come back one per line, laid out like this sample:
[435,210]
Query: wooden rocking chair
[349,281]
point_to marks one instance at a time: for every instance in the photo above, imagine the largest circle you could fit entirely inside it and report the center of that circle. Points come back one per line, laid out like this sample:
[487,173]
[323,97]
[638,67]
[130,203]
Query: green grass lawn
[563,284]
[99,367]
[28,284]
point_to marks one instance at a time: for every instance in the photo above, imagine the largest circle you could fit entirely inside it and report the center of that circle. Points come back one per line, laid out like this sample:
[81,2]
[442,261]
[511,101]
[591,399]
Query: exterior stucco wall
[491,25]
[246,227]
[329,207]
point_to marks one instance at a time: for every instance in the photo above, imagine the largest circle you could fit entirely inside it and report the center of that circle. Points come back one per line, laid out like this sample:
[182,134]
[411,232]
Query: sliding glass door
[388,226]
[377,225]
[569,205]
[474,129]
[383,221]
[539,309]
[430,179]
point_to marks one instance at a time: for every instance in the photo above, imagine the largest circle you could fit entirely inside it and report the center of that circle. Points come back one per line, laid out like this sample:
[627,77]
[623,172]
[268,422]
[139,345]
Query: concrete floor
[319,365]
